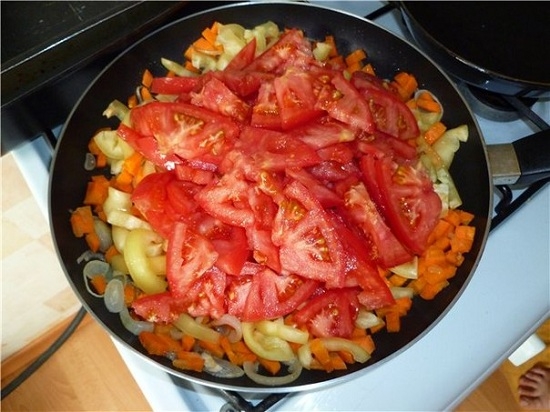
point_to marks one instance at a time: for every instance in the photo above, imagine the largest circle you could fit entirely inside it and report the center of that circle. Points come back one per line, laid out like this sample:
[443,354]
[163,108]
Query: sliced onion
[96,267]
[135,326]
[265,346]
[89,162]
[89,255]
[234,323]
[251,370]
[366,319]
[401,292]
[114,296]
[338,344]
[280,330]
[220,368]
[103,231]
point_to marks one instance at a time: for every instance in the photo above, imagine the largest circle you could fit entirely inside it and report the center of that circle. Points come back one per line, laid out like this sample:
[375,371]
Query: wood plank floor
[87,374]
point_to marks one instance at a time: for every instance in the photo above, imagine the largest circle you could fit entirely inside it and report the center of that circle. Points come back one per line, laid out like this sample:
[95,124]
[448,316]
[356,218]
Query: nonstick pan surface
[386,52]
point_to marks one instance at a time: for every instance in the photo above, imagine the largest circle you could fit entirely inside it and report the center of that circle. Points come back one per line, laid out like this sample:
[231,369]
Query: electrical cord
[14,384]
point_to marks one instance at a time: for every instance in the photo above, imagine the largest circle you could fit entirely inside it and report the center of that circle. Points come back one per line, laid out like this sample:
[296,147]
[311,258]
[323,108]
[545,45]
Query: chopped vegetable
[253,222]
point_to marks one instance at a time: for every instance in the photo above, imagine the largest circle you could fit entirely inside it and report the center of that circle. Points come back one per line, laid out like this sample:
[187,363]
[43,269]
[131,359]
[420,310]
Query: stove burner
[492,106]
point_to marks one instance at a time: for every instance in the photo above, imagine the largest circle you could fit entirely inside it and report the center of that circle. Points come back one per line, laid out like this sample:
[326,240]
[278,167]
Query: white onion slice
[234,323]
[114,296]
[135,326]
[220,368]
[251,370]
[96,267]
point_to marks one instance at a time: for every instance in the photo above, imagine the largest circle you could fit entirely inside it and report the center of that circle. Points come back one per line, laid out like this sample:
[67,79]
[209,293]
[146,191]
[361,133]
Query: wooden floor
[87,374]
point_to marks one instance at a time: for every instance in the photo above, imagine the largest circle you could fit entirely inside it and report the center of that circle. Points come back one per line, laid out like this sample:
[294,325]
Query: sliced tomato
[295,98]
[291,50]
[407,197]
[189,255]
[159,307]
[176,85]
[163,199]
[344,103]
[237,293]
[244,83]
[272,295]
[331,313]
[206,295]
[275,151]
[186,130]
[148,147]
[244,57]
[326,196]
[217,97]
[385,247]
[230,242]
[324,132]
[227,200]
[265,112]
[361,271]
[390,113]
[382,144]
[310,246]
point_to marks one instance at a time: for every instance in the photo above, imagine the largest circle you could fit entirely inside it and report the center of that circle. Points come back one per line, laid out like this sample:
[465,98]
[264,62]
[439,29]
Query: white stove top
[506,300]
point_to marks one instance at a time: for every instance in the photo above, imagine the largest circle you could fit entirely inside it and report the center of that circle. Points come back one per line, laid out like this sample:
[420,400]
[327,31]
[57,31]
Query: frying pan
[498,47]
[387,53]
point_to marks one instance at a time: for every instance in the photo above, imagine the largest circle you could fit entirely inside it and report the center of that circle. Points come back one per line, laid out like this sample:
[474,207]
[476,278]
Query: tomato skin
[390,113]
[330,313]
[272,296]
[406,195]
[159,307]
[244,57]
[217,97]
[188,131]
[361,210]
[188,257]
[176,85]
[265,112]
[206,295]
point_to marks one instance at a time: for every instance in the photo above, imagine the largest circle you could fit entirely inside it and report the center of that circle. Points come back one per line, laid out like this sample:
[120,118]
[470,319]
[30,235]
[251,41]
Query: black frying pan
[387,53]
[500,47]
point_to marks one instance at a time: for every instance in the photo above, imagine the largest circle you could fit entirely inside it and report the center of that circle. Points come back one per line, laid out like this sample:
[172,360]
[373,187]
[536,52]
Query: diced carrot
[463,239]
[82,221]
[130,293]
[354,67]
[333,50]
[214,348]
[435,131]
[427,102]
[93,241]
[321,353]
[210,34]
[189,66]
[271,366]
[430,291]
[132,101]
[453,217]
[147,78]
[337,363]
[154,344]
[145,94]
[369,68]
[187,342]
[337,62]
[405,84]
[355,56]
[99,283]
[454,258]
[358,332]
[397,280]
[110,252]
[412,104]
[346,356]
[393,322]
[366,342]
[188,361]
[96,191]
[442,229]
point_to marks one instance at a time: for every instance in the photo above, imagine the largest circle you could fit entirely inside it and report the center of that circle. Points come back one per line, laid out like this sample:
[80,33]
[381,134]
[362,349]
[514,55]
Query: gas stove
[506,300]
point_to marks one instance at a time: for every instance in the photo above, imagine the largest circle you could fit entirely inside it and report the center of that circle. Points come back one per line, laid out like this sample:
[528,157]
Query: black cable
[14,384]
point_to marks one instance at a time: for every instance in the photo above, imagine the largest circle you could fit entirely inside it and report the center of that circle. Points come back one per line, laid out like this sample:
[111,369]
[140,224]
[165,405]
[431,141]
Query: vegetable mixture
[270,204]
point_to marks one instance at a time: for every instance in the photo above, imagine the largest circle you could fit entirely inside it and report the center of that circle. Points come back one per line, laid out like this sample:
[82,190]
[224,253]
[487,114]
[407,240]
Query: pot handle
[521,162]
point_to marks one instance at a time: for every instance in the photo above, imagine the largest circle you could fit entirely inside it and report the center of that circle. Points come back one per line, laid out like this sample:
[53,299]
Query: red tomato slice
[216,96]
[186,130]
[326,196]
[362,271]
[148,147]
[189,255]
[296,100]
[390,113]
[244,57]
[310,246]
[159,307]
[227,200]
[410,204]
[237,293]
[331,313]
[265,112]
[344,103]
[362,211]
[291,50]
[163,200]
[323,133]
[275,151]
[176,85]
[207,295]
[272,295]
